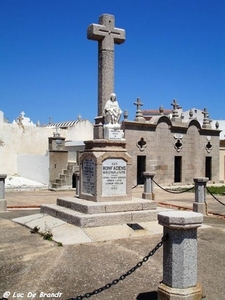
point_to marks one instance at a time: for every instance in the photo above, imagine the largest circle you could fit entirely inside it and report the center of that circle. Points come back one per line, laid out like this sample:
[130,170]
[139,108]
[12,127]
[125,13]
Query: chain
[122,277]
[214,196]
[173,192]
[133,187]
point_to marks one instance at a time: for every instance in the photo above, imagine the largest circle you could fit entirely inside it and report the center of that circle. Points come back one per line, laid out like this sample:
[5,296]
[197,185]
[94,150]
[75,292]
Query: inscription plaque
[114,177]
[88,185]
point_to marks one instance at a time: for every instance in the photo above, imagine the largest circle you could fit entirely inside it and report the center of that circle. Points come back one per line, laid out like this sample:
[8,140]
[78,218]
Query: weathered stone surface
[180,255]
[3,204]
[107,35]
[109,217]
[167,293]
[180,219]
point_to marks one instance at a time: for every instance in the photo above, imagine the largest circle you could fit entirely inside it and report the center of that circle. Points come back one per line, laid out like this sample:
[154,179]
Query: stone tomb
[105,196]
[105,171]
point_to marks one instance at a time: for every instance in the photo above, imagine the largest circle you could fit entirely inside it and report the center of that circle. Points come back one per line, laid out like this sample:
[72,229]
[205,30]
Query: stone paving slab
[68,234]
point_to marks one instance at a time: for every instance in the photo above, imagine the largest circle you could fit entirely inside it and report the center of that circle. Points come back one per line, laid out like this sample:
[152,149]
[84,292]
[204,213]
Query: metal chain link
[173,192]
[122,277]
[214,196]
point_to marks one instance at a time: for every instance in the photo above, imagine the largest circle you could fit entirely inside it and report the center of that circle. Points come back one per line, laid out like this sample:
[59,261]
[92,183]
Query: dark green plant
[219,190]
[47,235]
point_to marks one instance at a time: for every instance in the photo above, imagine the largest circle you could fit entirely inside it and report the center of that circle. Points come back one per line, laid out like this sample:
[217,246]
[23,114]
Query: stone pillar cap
[3,176]
[201,179]
[148,173]
[180,219]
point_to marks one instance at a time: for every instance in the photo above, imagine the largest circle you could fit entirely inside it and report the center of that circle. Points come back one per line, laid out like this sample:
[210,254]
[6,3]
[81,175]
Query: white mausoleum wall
[1,117]
[15,141]
[24,149]
[82,131]
[34,167]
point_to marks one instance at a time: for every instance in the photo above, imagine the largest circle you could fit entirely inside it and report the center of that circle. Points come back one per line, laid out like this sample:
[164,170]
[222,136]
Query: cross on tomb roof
[139,116]
[205,113]
[175,104]
[138,103]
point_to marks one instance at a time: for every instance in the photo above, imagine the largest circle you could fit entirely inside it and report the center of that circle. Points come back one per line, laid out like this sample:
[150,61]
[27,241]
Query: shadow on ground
[147,296]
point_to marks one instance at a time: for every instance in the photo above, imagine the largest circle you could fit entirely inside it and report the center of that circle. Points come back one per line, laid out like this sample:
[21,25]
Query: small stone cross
[107,35]
[139,116]
[205,113]
[138,103]
[206,121]
[175,104]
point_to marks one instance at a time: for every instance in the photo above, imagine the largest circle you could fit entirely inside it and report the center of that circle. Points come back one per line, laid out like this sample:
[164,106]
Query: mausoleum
[176,149]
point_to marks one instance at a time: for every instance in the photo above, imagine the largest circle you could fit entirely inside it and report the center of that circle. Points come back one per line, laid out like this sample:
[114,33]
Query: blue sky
[173,49]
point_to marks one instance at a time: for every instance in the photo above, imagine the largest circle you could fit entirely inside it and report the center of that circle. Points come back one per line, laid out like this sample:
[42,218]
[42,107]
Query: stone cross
[205,113]
[175,109]
[206,121]
[138,103]
[107,35]
[175,104]
[139,116]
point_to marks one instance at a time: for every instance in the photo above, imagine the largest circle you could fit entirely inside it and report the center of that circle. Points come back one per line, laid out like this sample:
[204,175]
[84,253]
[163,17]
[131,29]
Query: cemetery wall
[34,167]
[24,149]
[82,131]
[16,141]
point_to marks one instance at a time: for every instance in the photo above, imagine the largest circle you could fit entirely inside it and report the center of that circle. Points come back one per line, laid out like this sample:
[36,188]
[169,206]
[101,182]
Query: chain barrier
[133,187]
[214,196]
[173,192]
[123,276]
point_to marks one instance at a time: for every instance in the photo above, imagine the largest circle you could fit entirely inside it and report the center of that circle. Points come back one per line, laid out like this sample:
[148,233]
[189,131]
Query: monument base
[83,213]
[105,171]
[168,293]
[105,190]
[3,204]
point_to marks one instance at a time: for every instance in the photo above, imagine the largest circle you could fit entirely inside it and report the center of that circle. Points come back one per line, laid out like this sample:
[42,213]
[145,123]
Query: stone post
[200,193]
[180,256]
[3,202]
[148,186]
[77,184]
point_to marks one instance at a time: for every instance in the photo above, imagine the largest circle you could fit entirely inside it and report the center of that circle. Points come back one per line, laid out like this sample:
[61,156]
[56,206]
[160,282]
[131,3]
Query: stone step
[101,219]
[55,185]
[59,181]
[62,176]
[90,207]
[66,172]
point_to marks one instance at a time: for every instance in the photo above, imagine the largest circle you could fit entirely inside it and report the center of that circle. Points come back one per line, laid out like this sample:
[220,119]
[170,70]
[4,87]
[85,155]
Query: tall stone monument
[105,163]
[105,185]
[107,36]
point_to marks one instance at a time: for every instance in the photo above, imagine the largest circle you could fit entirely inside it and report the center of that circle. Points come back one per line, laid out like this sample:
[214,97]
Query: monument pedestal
[105,190]
[105,171]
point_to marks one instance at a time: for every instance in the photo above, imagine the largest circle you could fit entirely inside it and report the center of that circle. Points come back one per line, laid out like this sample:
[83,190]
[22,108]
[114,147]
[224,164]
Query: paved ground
[34,199]
[30,265]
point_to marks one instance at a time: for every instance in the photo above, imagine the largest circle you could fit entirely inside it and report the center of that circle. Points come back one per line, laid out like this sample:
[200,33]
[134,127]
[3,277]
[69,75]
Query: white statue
[112,112]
